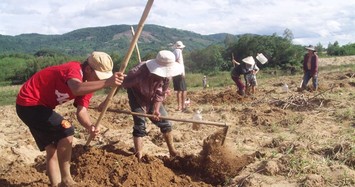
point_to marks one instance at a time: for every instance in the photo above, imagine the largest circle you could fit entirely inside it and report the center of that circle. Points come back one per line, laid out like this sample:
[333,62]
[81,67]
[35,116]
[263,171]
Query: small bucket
[261,58]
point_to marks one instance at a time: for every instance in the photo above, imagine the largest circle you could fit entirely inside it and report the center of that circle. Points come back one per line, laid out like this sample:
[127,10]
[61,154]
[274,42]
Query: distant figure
[310,68]
[204,82]
[251,71]
[179,80]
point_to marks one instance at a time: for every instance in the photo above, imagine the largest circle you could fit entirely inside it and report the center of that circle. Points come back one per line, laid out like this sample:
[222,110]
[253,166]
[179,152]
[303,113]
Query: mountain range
[114,38]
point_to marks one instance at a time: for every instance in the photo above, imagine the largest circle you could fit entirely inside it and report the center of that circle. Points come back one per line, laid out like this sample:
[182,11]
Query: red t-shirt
[49,88]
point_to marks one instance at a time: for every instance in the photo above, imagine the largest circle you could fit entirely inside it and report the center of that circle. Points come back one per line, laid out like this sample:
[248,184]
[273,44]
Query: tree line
[280,51]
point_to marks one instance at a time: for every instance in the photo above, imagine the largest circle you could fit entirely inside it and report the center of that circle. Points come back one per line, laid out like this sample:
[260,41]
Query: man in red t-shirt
[53,86]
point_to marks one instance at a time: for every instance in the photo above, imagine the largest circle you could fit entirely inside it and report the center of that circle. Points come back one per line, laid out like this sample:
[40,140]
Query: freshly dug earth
[275,138]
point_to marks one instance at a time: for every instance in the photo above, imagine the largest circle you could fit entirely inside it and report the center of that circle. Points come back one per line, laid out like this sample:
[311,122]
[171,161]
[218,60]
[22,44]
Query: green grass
[220,79]
[8,95]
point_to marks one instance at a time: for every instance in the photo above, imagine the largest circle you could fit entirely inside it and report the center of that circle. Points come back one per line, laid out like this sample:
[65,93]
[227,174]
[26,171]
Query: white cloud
[310,21]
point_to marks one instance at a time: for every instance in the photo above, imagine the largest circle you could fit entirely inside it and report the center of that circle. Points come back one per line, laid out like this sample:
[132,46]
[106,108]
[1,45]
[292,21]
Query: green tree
[279,50]
[207,60]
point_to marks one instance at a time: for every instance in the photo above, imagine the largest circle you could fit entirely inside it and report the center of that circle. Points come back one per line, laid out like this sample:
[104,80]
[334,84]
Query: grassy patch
[8,95]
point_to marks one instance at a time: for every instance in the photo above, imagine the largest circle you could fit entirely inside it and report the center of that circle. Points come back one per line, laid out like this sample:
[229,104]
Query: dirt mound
[113,165]
[215,164]
[109,166]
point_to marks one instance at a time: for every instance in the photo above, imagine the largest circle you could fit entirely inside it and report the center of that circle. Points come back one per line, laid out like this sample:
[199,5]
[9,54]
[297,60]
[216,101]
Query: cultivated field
[275,138]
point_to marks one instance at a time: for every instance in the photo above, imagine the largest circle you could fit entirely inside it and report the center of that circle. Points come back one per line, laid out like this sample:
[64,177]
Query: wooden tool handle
[169,118]
[124,63]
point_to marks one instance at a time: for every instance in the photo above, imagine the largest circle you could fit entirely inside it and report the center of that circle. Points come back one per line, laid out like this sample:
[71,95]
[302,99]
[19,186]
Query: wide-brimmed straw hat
[102,64]
[179,45]
[311,48]
[249,60]
[164,65]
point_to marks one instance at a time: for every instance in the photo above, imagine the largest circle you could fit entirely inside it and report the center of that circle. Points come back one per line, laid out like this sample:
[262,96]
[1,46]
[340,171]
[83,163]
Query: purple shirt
[148,88]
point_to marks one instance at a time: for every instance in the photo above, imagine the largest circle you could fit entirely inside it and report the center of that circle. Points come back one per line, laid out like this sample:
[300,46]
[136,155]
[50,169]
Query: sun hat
[311,48]
[261,58]
[102,64]
[249,60]
[179,45]
[164,65]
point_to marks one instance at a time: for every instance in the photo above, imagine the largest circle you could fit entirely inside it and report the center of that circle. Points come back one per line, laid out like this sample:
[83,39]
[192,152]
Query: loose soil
[275,138]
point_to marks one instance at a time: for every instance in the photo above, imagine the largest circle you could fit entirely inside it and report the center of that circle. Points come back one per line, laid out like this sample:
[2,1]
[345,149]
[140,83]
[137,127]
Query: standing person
[251,70]
[53,86]
[204,82]
[237,71]
[310,68]
[179,80]
[147,85]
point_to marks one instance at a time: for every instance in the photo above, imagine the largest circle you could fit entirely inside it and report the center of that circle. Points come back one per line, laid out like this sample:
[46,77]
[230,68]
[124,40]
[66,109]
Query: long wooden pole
[224,125]
[124,64]
[137,49]
[169,118]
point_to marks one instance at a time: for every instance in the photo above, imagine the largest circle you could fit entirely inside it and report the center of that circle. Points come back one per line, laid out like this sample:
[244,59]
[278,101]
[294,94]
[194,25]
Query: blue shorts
[46,126]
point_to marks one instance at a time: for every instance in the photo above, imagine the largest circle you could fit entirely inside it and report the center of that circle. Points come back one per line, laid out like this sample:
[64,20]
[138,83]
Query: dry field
[275,138]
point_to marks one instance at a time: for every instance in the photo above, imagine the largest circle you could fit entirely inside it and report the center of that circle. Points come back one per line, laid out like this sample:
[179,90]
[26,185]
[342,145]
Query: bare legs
[181,97]
[58,162]
[138,145]
[168,137]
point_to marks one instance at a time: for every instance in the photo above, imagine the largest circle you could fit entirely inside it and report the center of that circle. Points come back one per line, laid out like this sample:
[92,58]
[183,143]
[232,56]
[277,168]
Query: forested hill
[115,38]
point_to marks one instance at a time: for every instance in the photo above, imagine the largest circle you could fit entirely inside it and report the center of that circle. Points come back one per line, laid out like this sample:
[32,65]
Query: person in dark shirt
[147,85]
[310,68]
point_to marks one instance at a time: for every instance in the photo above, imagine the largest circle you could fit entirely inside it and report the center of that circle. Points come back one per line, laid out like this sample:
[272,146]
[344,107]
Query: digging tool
[124,63]
[137,49]
[232,60]
[224,125]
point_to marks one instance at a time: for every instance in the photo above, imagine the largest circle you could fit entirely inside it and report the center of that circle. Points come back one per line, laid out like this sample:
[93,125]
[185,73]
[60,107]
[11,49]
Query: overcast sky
[311,21]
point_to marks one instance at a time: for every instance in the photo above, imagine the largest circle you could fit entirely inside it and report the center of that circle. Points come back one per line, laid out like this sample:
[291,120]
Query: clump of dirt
[215,164]
[26,176]
[269,168]
[109,166]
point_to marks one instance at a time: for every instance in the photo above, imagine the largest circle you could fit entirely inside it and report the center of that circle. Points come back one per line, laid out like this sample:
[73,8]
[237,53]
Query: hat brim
[103,75]
[310,48]
[180,46]
[164,71]
[249,60]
